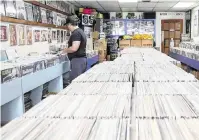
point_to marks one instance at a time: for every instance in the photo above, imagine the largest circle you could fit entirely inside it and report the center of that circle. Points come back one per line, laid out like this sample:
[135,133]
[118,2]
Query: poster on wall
[10,8]
[3,33]
[29,15]
[21,34]
[13,35]
[44,35]
[132,15]
[36,13]
[2,8]
[49,35]
[29,35]
[37,34]
[43,15]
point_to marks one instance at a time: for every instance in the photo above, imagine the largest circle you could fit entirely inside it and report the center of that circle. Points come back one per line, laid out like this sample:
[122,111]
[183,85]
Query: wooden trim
[34,2]
[26,22]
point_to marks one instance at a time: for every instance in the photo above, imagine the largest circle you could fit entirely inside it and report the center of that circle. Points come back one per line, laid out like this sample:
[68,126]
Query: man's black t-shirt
[78,35]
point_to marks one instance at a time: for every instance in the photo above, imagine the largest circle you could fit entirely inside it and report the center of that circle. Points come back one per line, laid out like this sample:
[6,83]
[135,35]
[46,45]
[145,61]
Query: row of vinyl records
[25,35]
[26,11]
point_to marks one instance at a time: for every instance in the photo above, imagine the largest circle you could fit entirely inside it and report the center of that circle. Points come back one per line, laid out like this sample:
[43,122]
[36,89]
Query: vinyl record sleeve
[3,33]
[29,12]
[49,35]
[2,8]
[13,35]
[37,35]
[29,35]
[54,18]
[59,19]
[62,36]
[44,35]
[36,13]
[58,36]
[21,34]
[54,35]
[43,15]
[10,8]
[49,15]
[21,12]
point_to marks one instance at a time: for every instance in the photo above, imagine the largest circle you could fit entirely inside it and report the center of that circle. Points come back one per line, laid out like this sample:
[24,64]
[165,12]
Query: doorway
[171,29]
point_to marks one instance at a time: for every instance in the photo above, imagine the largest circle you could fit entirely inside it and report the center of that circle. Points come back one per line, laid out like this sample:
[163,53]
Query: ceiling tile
[166,4]
[109,3]
[145,9]
[151,0]
[169,0]
[129,9]
[190,0]
[128,4]
[147,4]
[162,9]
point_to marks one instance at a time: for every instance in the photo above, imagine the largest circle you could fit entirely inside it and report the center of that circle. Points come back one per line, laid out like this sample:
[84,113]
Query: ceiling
[116,6]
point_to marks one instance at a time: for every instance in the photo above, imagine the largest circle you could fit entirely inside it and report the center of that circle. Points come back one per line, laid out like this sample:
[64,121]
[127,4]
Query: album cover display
[44,35]
[43,15]
[13,35]
[2,8]
[49,35]
[10,8]
[58,36]
[54,35]
[62,36]
[21,12]
[9,74]
[29,11]
[49,15]
[36,13]
[29,35]
[4,33]
[54,18]
[21,34]
[59,19]
[65,35]
[37,34]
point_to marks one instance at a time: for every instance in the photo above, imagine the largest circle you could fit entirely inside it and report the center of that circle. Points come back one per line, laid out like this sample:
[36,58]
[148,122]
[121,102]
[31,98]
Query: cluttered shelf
[26,22]
[45,6]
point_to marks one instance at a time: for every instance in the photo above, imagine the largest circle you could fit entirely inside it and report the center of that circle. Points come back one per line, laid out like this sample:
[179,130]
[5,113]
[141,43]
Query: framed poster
[21,34]
[29,35]
[44,35]
[13,35]
[4,33]
[37,34]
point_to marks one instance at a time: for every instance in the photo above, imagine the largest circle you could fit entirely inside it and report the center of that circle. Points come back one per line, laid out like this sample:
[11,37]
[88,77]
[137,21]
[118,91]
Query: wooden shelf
[26,22]
[45,6]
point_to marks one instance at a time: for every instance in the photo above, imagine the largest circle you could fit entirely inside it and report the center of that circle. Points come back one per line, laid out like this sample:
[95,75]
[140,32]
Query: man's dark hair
[73,20]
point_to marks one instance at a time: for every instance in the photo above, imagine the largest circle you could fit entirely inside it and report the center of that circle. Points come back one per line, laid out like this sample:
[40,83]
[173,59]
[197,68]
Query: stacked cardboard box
[101,46]
[136,43]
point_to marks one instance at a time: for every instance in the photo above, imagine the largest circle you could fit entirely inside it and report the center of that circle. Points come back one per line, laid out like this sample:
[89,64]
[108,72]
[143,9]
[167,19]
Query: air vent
[146,0]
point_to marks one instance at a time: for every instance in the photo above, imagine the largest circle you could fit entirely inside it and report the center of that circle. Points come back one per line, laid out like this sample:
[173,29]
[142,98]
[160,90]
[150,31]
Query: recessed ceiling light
[122,1]
[183,4]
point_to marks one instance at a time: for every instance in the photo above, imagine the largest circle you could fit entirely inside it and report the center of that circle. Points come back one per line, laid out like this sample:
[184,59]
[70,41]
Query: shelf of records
[187,49]
[31,14]
[19,34]
[129,27]
[26,65]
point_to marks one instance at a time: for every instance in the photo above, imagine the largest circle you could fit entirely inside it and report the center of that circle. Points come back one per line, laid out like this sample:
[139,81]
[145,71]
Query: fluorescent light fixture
[122,1]
[183,4]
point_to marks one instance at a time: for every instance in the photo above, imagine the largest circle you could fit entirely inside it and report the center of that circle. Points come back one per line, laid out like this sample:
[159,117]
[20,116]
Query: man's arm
[73,48]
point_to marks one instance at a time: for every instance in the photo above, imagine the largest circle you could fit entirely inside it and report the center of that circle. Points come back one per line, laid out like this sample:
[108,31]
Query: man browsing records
[76,47]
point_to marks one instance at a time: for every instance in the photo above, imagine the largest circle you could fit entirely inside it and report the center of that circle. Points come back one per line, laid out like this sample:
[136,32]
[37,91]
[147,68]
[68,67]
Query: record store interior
[99,69]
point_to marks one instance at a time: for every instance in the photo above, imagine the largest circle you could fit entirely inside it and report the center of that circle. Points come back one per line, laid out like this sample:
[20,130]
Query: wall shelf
[46,6]
[27,22]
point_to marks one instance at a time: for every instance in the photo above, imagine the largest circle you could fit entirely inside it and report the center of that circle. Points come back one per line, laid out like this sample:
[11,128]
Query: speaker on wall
[87,19]
[150,15]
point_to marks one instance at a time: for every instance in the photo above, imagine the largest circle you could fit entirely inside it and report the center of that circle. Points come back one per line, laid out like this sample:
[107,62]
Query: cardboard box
[147,43]
[102,55]
[167,43]
[136,43]
[95,35]
[172,26]
[100,44]
[124,43]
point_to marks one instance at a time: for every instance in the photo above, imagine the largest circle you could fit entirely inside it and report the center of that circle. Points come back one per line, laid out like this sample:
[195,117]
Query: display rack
[188,61]
[91,61]
[12,93]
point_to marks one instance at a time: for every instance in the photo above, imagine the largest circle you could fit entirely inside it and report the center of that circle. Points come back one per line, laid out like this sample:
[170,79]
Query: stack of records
[45,91]
[27,101]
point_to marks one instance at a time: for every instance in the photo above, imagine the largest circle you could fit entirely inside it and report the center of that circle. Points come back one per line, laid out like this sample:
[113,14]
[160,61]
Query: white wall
[163,16]
[40,47]
[194,11]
